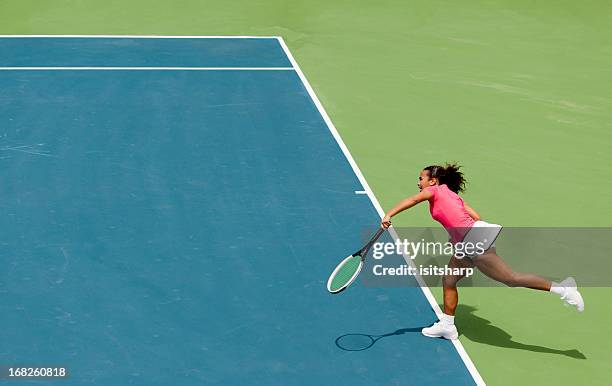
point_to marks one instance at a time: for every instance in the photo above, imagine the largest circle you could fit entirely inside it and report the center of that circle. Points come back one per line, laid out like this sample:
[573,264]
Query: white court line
[360,192]
[146,68]
[139,36]
[426,291]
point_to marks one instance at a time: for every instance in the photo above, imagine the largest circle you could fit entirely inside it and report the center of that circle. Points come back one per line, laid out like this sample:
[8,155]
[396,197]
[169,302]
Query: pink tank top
[447,208]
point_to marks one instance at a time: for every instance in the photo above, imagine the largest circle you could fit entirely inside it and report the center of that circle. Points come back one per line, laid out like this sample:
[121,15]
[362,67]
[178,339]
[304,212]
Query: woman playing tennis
[440,186]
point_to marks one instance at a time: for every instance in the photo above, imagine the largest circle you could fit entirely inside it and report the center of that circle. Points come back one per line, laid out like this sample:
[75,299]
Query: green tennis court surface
[516,91]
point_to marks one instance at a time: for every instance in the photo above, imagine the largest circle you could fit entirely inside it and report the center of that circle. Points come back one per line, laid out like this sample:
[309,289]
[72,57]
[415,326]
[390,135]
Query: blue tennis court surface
[177,227]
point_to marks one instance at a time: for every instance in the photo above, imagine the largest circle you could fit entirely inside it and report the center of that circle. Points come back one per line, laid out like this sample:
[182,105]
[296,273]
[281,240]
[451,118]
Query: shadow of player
[480,330]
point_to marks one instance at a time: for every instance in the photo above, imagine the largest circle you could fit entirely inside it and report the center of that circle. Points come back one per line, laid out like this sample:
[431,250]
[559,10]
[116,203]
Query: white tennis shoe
[571,295]
[441,329]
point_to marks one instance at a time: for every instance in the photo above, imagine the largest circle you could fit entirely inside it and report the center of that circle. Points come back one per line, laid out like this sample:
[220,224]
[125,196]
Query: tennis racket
[347,271]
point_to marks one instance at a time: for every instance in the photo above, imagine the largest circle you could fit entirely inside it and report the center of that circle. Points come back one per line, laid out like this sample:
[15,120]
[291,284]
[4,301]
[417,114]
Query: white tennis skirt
[482,234]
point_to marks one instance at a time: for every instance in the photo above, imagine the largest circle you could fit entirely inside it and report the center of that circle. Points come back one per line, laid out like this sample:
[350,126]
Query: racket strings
[345,273]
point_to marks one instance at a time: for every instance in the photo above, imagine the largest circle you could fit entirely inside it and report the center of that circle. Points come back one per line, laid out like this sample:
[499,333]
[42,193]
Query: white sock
[557,288]
[447,319]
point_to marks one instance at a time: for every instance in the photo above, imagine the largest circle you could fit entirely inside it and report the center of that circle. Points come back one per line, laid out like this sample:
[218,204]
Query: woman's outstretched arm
[405,204]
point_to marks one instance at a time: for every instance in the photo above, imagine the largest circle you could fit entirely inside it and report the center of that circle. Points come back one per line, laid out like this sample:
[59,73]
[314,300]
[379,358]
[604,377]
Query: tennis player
[440,185]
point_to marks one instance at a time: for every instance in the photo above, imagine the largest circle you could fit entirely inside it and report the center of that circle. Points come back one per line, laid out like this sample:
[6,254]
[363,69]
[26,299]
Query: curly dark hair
[448,175]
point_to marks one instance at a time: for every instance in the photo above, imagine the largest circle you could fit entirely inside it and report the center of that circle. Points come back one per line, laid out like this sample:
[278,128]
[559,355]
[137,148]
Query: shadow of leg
[480,330]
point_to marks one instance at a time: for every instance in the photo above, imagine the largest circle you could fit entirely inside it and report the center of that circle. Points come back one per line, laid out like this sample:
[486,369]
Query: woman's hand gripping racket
[347,271]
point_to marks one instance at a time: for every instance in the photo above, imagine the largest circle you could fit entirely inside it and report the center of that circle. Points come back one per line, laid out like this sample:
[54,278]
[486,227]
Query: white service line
[146,69]
[426,291]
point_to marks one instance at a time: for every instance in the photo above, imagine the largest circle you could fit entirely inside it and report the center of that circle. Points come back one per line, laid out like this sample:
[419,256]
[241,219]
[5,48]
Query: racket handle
[364,250]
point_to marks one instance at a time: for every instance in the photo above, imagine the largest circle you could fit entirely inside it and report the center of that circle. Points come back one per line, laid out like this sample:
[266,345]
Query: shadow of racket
[360,342]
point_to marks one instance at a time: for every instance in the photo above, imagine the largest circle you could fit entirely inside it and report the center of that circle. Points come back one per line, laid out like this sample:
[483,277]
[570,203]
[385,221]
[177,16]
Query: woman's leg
[496,268]
[451,297]
[445,328]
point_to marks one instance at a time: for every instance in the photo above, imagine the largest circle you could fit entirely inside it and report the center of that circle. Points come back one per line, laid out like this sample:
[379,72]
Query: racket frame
[363,252]
[352,279]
